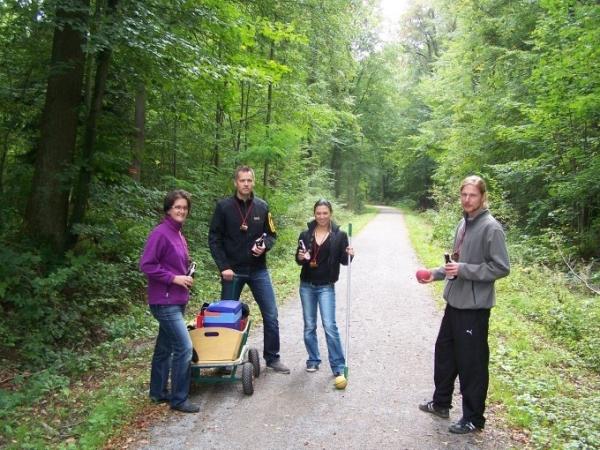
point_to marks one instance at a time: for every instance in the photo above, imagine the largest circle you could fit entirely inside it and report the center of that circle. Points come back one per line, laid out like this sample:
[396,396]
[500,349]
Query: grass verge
[544,369]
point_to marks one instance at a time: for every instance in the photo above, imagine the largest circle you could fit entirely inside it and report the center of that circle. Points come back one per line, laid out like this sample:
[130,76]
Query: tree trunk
[268,119]
[82,188]
[47,207]
[219,117]
[174,147]
[336,168]
[88,77]
[247,121]
[238,138]
[3,157]
[140,132]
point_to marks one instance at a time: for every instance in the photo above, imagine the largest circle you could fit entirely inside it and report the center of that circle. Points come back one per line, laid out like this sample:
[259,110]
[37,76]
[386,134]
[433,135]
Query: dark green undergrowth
[544,339]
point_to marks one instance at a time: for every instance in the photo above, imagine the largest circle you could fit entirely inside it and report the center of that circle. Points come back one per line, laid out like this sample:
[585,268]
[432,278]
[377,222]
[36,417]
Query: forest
[107,104]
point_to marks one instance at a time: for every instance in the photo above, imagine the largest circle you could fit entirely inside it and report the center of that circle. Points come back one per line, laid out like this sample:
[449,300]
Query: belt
[320,283]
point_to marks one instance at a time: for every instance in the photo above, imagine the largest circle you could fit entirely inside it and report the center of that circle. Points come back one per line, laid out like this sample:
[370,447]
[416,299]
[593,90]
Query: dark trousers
[260,284]
[462,350]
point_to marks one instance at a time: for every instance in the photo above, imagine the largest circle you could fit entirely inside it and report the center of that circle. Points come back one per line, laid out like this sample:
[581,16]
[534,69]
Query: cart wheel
[248,378]
[255,360]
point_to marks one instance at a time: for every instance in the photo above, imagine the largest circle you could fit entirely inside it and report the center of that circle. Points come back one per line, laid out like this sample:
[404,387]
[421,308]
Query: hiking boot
[278,366]
[158,400]
[432,408]
[312,367]
[186,407]
[463,427]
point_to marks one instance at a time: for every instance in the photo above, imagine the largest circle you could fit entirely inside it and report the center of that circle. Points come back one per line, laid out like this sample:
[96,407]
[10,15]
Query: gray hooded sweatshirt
[483,259]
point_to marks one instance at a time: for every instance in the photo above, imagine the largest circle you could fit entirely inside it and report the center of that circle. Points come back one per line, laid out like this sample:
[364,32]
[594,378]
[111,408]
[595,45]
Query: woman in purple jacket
[165,262]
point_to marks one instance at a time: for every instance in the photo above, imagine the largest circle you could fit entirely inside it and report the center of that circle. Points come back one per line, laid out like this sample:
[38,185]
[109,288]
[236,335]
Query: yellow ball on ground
[340,382]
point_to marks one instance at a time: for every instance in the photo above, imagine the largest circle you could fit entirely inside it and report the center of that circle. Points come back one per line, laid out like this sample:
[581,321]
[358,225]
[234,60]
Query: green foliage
[571,320]
[191,60]
[52,304]
[51,409]
[508,90]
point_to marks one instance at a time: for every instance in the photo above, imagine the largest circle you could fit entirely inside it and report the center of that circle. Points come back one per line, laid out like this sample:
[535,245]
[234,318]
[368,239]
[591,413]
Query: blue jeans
[322,297]
[173,350]
[260,284]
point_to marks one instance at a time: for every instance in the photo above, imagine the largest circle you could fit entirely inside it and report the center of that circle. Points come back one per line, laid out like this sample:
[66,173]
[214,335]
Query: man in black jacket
[241,232]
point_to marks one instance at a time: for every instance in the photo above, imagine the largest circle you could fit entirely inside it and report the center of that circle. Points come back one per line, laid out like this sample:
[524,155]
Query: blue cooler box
[225,306]
[225,313]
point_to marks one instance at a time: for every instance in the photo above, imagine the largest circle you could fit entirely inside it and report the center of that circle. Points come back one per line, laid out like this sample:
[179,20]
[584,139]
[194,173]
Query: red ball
[423,274]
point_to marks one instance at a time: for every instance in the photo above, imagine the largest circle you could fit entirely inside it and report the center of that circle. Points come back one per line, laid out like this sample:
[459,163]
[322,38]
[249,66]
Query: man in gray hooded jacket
[461,349]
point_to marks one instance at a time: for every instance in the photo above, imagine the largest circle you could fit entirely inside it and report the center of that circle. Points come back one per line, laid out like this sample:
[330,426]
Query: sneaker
[431,408]
[278,366]
[312,367]
[186,407]
[463,427]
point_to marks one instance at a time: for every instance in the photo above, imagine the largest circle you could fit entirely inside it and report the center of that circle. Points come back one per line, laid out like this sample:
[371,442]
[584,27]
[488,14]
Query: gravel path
[393,326]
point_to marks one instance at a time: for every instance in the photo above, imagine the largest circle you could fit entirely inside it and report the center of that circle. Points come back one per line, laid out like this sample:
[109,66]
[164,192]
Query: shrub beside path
[393,326]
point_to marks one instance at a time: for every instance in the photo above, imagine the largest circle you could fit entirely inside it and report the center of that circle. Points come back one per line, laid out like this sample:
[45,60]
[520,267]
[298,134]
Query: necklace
[244,224]
[314,263]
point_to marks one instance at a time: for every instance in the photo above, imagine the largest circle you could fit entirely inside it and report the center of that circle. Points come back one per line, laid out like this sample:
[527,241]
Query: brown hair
[323,202]
[479,183]
[243,169]
[172,196]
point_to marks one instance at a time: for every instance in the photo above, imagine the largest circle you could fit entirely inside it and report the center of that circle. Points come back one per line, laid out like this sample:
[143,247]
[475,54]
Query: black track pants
[462,349]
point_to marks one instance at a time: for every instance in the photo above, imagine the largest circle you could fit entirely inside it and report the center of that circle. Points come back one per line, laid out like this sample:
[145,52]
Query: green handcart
[224,350]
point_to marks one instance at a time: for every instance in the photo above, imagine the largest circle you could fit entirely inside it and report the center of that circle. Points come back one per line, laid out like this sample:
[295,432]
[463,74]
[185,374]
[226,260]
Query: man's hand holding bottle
[259,246]
[450,267]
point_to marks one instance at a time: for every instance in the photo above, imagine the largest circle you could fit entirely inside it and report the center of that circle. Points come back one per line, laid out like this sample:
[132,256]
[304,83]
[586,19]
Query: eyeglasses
[179,208]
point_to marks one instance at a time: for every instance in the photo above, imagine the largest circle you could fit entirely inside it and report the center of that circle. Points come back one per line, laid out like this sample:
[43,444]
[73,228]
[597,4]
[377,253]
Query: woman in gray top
[461,349]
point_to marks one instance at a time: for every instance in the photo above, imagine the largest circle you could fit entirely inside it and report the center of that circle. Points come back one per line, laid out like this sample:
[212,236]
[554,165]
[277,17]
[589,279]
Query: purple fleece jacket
[165,255]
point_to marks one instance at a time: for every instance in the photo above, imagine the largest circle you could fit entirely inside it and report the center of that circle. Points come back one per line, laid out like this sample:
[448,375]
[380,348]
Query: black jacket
[337,253]
[229,245]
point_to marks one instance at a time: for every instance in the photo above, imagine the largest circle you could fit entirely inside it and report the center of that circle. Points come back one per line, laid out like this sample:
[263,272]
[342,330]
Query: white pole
[348,278]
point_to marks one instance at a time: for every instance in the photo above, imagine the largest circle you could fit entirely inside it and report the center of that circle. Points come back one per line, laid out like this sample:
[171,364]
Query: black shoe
[186,407]
[159,400]
[431,408]
[463,427]
[278,366]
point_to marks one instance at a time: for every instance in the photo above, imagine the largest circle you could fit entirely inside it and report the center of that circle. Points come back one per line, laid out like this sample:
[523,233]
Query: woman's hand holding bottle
[303,253]
[183,280]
